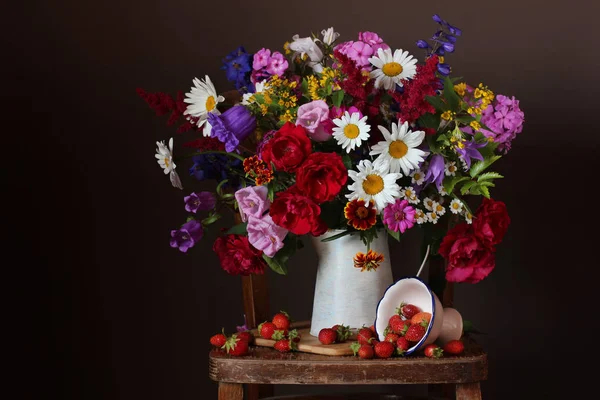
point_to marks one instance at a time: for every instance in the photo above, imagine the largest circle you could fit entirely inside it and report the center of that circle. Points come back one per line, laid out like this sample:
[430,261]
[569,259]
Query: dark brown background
[110,311]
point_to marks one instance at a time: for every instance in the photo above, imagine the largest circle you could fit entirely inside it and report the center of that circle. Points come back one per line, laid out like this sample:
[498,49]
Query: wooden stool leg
[231,391]
[255,392]
[468,391]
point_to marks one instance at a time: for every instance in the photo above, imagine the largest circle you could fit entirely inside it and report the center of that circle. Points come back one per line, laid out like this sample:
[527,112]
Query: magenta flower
[252,201]
[360,52]
[372,39]
[277,64]
[337,112]
[261,59]
[399,216]
[202,201]
[265,235]
[505,120]
[314,116]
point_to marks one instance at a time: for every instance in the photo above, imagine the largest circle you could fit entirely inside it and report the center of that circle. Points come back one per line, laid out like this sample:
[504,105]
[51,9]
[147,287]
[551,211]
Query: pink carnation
[252,201]
[265,235]
[314,116]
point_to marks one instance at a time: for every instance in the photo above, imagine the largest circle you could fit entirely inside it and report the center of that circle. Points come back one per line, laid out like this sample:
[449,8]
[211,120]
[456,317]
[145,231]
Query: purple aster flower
[202,201]
[232,127]
[252,201]
[504,119]
[435,170]
[399,216]
[237,67]
[265,235]
[468,150]
[187,236]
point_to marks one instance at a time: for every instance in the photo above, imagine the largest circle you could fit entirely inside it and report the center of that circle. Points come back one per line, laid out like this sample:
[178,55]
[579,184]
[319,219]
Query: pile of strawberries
[338,333]
[278,329]
[235,344]
[405,329]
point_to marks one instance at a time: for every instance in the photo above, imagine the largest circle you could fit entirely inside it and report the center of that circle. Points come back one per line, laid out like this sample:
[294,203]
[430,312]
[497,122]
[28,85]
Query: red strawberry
[433,351]
[421,318]
[266,330]
[343,332]
[402,344]
[327,336]
[366,351]
[218,340]
[391,337]
[247,336]
[415,333]
[365,336]
[384,349]
[236,346]
[372,328]
[408,310]
[393,319]
[281,320]
[285,345]
[400,326]
[454,347]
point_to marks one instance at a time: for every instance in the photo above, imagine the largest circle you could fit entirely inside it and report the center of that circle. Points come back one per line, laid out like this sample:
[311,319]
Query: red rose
[237,256]
[288,148]
[491,221]
[322,176]
[468,259]
[297,213]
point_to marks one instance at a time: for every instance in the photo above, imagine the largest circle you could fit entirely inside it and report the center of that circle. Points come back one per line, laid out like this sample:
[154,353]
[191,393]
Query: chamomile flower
[456,206]
[438,209]
[399,149]
[442,191]
[428,203]
[451,168]
[351,130]
[202,99]
[468,217]
[374,182]
[420,217]
[259,87]
[418,177]
[433,217]
[164,157]
[391,70]
[410,195]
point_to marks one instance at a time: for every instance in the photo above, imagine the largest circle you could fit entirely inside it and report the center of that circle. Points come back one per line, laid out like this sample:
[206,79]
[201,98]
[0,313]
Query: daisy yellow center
[392,69]
[439,208]
[373,184]
[398,149]
[455,206]
[210,103]
[351,131]
[362,212]
[167,162]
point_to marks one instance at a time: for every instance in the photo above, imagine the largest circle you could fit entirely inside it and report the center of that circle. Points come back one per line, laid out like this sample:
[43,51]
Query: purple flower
[261,59]
[243,328]
[360,52]
[252,201]
[202,201]
[232,127]
[265,235]
[504,119]
[399,216]
[468,150]
[435,171]
[187,236]
[277,64]
[314,116]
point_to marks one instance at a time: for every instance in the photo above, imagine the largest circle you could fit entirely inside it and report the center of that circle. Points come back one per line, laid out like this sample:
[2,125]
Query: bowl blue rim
[429,327]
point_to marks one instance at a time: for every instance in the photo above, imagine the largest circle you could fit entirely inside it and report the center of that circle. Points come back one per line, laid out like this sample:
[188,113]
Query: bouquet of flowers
[351,136]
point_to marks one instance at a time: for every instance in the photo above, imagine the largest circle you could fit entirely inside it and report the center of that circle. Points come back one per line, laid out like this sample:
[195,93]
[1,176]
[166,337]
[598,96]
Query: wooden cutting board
[311,344]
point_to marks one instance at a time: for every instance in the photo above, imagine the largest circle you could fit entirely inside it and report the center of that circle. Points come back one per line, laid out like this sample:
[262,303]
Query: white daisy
[451,168]
[392,69]
[410,195]
[351,130]
[418,177]
[164,157]
[373,182]
[442,192]
[428,203]
[468,217]
[433,217]
[202,99]
[400,148]
[456,206]
[259,87]
[438,209]
[420,216]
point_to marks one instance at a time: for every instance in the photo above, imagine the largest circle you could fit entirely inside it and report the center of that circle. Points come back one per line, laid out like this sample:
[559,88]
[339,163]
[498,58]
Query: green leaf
[428,120]
[437,103]
[210,219]
[465,188]
[334,237]
[441,138]
[489,176]
[305,86]
[481,166]
[395,235]
[347,161]
[487,184]
[449,184]
[484,191]
[276,264]
[450,95]
[239,229]
[337,98]
[465,119]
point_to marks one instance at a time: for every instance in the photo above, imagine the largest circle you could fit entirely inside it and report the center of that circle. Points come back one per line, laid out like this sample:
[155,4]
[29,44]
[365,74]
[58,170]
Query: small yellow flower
[448,115]
[460,89]
[475,125]
[286,47]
